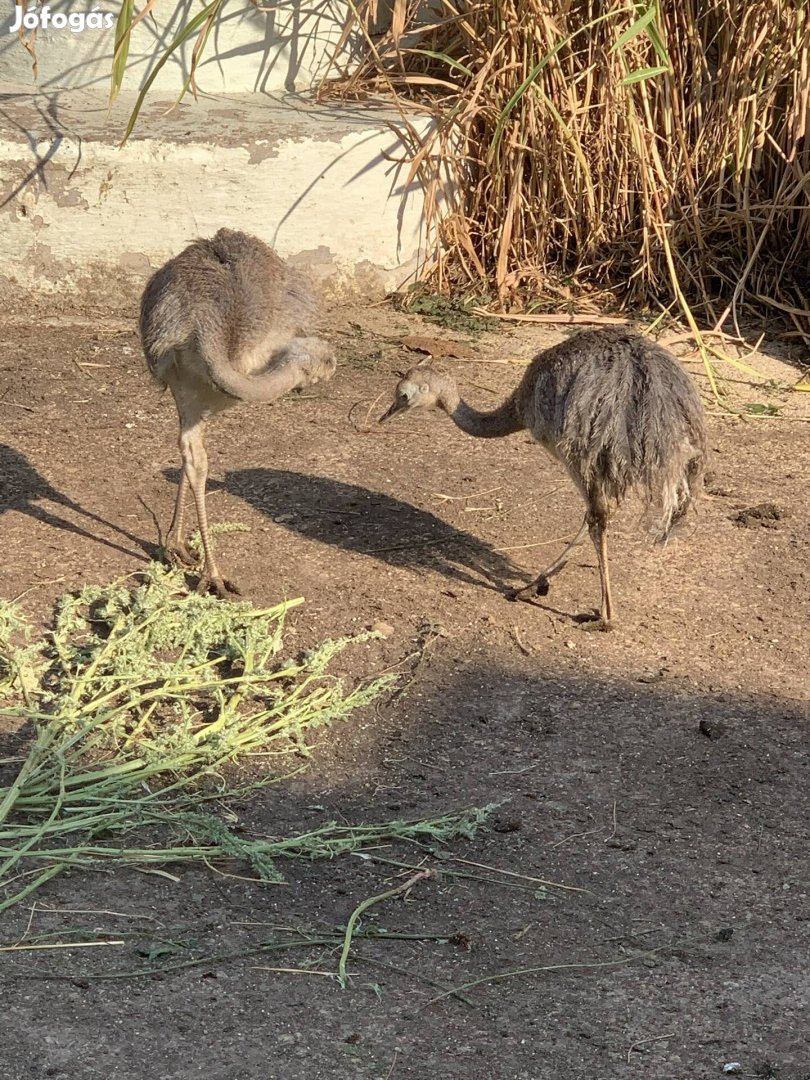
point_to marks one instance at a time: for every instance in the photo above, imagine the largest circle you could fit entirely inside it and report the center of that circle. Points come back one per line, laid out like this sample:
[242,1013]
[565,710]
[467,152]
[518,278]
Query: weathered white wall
[81,216]
[285,47]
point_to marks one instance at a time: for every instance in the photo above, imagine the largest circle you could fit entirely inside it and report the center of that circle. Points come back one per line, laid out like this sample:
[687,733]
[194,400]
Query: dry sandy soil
[661,768]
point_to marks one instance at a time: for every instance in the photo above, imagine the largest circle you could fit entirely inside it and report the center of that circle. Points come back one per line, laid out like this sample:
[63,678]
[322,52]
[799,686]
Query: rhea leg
[190,413]
[177,549]
[597,522]
[606,613]
[195,401]
[540,586]
[195,471]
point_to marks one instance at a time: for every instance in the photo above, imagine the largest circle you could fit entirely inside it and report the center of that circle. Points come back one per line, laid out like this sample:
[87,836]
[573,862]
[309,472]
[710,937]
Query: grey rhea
[615,408]
[225,321]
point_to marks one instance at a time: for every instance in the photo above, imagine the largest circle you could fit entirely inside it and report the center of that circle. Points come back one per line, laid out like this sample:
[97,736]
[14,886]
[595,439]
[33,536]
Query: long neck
[484,425]
[277,379]
[272,383]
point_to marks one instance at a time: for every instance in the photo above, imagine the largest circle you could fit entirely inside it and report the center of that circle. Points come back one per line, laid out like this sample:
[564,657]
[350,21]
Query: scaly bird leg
[606,610]
[195,468]
[176,547]
[540,586]
[597,526]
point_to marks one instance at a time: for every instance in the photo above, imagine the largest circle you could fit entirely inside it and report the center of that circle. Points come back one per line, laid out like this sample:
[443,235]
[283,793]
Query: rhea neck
[483,425]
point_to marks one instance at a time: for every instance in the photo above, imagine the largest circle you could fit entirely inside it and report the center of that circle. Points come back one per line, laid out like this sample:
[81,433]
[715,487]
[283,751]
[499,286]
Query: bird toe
[219,586]
[595,622]
[529,592]
[180,554]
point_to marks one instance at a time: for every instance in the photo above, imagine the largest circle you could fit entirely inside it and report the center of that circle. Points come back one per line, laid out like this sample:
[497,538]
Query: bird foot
[529,592]
[221,587]
[594,622]
[178,553]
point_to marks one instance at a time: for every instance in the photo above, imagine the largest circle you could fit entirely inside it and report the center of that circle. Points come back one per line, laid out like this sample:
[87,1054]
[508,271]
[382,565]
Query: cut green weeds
[453,313]
[140,705]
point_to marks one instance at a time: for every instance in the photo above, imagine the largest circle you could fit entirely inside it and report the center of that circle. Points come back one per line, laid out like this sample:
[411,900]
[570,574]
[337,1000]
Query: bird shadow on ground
[22,488]
[371,523]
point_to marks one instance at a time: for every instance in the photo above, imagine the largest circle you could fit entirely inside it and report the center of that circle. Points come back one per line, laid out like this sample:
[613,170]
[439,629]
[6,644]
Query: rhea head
[421,388]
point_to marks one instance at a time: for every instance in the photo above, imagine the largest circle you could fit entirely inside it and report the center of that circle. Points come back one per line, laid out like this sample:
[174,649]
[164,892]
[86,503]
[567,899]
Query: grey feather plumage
[615,408]
[225,321]
[619,411]
[233,302]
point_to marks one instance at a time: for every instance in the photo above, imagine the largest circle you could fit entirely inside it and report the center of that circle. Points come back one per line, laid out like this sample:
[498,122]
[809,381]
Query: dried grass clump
[604,149]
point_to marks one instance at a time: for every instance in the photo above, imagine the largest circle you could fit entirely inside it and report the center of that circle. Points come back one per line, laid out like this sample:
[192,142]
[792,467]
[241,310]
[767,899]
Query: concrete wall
[82,217]
[285,47]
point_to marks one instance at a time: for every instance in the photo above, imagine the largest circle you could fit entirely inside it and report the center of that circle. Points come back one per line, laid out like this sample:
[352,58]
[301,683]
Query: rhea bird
[616,409]
[225,321]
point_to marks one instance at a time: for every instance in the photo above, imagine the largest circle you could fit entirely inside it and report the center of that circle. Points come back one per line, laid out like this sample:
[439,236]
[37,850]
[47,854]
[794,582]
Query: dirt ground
[661,769]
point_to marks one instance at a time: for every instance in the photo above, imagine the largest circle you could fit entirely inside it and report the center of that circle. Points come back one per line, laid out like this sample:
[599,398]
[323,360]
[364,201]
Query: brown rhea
[225,321]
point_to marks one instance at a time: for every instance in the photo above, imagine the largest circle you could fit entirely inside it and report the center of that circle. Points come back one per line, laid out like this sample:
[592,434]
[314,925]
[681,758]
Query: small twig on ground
[28,925]
[295,971]
[564,320]
[417,541]
[91,911]
[615,825]
[79,368]
[393,1065]
[633,934]
[524,877]
[760,416]
[573,966]
[405,887]
[36,585]
[409,974]
[590,832]
[323,940]
[540,543]
[523,648]
[425,764]
[575,836]
[515,772]
[58,945]
[522,360]
[461,498]
[154,518]
[642,1042]
[429,637]
[678,339]
[726,378]
[445,870]
[366,426]
[156,873]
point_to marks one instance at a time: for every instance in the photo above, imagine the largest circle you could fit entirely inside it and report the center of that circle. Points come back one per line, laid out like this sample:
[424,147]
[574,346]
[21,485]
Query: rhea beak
[398,405]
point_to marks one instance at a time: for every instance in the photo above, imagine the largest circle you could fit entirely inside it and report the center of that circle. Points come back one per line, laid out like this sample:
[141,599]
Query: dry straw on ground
[605,151]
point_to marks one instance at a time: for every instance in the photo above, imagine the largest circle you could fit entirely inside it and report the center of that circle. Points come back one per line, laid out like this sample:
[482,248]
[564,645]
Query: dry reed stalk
[601,150]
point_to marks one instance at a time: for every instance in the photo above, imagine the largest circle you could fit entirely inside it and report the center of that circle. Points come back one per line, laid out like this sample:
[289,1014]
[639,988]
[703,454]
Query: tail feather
[163,328]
